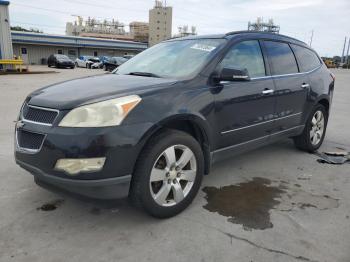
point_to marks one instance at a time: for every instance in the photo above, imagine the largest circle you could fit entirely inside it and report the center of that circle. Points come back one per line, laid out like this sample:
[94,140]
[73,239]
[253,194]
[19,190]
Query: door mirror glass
[234,74]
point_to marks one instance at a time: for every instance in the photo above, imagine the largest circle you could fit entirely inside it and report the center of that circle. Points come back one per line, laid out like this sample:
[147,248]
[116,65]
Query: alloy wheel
[173,175]
[317,127]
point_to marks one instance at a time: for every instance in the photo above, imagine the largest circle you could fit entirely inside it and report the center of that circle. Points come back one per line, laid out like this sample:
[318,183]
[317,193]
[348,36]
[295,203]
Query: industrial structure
[345,56]
[139,31]
[160,23]
[34,48]
[260,25]
[184,31]
[91,37]
[6,51]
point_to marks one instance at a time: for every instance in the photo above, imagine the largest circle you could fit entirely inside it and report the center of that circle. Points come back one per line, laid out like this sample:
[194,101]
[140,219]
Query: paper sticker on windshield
[206,48]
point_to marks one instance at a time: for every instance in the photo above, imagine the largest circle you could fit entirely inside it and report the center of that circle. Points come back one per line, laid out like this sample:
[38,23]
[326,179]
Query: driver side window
[246,55]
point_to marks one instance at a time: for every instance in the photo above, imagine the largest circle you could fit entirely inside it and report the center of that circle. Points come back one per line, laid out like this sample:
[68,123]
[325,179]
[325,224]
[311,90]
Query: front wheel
[314,131]
[168,174]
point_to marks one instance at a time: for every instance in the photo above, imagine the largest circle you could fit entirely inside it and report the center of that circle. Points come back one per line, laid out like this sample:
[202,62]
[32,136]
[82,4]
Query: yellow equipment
[14,62]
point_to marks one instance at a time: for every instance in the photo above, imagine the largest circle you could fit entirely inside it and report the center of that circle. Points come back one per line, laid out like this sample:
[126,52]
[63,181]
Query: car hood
[70,94]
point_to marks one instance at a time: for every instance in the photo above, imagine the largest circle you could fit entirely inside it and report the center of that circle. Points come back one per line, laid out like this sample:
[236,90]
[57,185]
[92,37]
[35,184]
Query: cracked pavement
[315,228]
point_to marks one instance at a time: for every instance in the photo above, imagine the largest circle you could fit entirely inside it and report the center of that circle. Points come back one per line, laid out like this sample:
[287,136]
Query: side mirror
[234,74]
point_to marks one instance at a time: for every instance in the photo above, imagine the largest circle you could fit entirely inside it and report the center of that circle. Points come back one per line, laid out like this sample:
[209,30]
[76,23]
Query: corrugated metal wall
[35,53]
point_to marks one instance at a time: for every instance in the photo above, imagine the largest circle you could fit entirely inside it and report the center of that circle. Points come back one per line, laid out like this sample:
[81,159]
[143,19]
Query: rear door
[244,109]
[291,87]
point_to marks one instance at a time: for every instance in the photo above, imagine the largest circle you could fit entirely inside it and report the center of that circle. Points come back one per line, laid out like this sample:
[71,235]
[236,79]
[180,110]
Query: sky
[329,20]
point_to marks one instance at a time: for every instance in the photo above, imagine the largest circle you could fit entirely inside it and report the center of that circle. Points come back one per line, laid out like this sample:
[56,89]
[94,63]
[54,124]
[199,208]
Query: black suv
[152,129]
[60,61]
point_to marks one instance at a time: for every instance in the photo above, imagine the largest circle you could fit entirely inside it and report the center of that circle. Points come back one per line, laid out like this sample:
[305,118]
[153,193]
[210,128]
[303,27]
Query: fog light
[76,166]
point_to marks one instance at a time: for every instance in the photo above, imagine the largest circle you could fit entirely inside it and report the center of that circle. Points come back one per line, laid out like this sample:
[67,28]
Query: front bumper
[110,188]
[120,146]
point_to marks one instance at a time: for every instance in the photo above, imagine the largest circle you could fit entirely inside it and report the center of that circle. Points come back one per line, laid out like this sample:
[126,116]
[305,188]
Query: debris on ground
[51,205]
[334,157]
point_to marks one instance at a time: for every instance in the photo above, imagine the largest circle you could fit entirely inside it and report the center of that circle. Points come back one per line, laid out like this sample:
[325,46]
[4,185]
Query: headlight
[107,113]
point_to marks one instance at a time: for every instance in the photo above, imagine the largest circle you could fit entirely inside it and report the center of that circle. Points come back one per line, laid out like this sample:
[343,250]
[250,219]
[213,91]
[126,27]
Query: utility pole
[312,36]
[347,54]
[342,56]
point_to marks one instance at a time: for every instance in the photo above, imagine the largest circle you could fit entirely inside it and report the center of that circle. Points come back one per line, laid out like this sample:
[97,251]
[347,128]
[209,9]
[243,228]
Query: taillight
[333,76]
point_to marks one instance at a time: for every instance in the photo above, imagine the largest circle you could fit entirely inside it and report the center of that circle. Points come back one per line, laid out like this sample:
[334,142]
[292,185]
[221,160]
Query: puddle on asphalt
[50,206]
[249,203]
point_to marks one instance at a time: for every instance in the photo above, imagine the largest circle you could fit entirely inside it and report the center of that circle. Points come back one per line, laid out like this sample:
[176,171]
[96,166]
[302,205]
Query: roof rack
[260,32]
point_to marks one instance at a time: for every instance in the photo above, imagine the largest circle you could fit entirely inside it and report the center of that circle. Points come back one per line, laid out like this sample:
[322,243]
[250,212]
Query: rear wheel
[314,131]
[168,174]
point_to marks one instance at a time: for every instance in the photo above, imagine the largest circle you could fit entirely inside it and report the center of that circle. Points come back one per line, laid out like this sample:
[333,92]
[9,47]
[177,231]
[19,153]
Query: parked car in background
[93,63]
[104,59]
[60,61]
[113,63]
[86,61]
[82,61]
[154,127]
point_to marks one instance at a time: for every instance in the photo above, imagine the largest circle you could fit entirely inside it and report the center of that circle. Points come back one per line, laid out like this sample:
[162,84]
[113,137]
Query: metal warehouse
[35,48]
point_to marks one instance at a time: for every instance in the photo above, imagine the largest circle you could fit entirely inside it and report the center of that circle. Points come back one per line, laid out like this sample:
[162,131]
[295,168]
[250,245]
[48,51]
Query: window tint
[281,58]
[246,55]
[307,59]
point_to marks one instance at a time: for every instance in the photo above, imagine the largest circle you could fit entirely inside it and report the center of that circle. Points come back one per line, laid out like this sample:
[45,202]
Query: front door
[24,55]
[245,109]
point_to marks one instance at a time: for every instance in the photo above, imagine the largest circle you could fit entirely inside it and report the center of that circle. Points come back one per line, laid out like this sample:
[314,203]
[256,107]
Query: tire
[306,141]
[145,194]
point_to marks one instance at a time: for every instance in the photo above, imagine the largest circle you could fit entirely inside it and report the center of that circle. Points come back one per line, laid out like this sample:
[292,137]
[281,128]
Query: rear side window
[307,59]
[246,55]
[281,58]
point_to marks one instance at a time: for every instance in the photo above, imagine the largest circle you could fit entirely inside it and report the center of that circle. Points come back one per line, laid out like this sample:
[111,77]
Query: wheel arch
[324,100]
[190,124]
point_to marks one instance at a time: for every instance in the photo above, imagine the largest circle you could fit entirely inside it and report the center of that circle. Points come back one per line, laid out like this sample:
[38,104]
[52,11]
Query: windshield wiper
[144,74]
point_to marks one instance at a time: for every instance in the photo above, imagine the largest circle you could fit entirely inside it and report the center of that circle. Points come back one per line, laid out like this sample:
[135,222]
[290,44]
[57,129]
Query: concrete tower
[160,23]
[6,51]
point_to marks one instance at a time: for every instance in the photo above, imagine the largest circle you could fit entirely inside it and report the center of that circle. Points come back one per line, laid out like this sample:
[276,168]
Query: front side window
[281,58]
[246,55]
[179,59]
[307,59]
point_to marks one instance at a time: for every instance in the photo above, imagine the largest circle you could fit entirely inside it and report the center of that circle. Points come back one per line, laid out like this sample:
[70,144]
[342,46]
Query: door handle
[267,91]
[305,85]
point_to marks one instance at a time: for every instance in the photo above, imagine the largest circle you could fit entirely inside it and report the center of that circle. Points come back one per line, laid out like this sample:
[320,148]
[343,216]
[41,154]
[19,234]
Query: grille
[39,115]
[29,140]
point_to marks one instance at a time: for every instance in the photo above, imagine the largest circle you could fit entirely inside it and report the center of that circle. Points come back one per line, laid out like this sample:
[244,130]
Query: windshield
[173,59]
